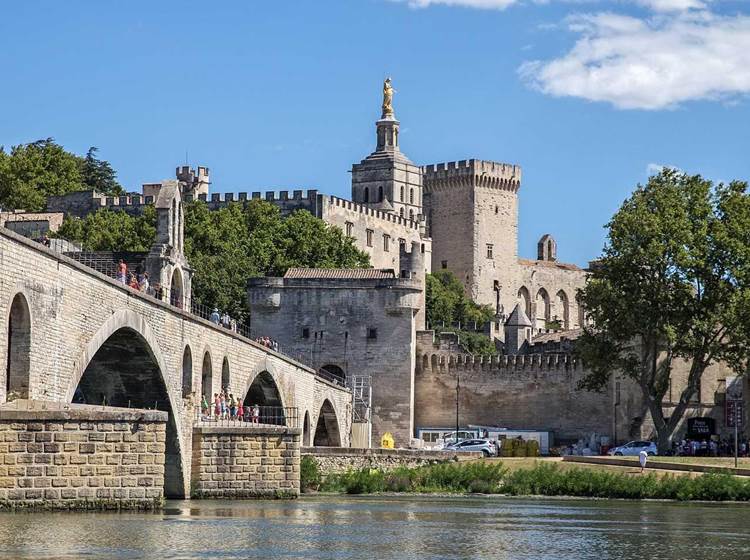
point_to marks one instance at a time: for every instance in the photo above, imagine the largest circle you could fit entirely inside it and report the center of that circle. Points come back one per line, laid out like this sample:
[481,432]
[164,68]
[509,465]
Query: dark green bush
[309,474]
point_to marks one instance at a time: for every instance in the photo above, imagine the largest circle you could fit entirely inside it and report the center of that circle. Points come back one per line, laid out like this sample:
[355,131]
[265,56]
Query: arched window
[367,194]
[411,215]
[411,196]
[401,198]
[187,372]
[380,194]
[207,378]
[542,306]
[225,374]
[401,212]
[524,298]
[563,311]
[175,288]
[18,364]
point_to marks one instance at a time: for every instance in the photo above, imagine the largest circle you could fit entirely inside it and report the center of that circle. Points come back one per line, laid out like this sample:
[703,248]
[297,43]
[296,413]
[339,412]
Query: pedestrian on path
[642,459]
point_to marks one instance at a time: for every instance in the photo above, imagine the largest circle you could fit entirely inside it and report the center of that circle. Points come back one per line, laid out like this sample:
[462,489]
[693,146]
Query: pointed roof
[518,318]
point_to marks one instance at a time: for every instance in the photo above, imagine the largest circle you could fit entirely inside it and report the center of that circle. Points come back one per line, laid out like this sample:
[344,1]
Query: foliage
[490,477]
[226,247]
[673,285]
[550,480]
[447,306]
[111,230]
[472,476]
[32,172]
[310,477]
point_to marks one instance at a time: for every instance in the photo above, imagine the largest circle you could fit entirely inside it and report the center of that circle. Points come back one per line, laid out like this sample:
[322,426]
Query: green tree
[672,285]
[447,307]
[111,230]
[98,174]
[32,172]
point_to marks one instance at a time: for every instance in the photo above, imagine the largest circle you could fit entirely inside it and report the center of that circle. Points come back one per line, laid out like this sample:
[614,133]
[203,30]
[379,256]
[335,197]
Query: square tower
[471,208]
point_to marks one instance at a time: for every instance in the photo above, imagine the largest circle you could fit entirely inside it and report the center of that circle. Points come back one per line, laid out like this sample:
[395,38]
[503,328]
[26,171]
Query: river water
[379,528]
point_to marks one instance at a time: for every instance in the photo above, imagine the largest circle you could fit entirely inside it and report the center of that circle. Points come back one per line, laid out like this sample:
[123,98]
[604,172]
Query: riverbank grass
[539,479]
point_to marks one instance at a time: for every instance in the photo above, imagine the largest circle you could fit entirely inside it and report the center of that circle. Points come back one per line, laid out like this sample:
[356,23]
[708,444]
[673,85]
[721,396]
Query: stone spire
[517,331]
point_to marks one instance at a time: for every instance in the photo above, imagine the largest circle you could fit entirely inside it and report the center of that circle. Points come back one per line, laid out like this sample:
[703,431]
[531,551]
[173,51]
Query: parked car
[634,448]
[486,446]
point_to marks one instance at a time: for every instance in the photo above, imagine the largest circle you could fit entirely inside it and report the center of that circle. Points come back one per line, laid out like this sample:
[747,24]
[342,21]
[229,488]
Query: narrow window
[372,333]
[411,196]
[489,250]
[380,194]
[369,238]
[411,215]
[349,229]
[401,198]
[367,194]
[386,242]
[306,332]
[401,212]
[402,242]
[444,264]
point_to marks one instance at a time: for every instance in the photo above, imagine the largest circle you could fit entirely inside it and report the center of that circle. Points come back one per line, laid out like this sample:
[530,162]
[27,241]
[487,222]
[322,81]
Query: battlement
[473,172]
[270,196]
[501,364]
[361,209]
[131,200]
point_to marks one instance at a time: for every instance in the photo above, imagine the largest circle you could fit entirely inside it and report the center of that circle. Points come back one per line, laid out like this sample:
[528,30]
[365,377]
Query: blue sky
[586,96]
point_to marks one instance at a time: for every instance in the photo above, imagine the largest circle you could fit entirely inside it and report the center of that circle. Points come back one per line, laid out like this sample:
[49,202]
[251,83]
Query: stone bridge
[69,333]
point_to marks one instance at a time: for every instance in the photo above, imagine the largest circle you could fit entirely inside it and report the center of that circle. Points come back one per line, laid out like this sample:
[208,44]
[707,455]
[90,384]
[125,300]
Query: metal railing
[259,416]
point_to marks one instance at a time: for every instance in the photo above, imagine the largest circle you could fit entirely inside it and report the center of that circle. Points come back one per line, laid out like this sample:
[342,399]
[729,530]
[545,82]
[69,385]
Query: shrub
[309,474]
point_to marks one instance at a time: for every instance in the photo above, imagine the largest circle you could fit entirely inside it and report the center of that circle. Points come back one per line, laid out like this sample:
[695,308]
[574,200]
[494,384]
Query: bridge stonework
[73,310]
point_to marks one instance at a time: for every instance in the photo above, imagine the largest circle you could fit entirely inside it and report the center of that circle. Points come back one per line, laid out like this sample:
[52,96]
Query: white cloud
[656,168]
[672,5]
[482,4]
[653,63]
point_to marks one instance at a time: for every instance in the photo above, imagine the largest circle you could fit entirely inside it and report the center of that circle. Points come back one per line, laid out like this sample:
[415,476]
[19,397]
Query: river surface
[379,528]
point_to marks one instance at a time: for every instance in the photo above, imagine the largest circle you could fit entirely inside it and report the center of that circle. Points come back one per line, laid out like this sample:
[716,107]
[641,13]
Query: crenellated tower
[471,209]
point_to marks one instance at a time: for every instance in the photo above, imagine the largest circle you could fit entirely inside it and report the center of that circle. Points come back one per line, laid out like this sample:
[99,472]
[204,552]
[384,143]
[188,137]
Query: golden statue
[388,92]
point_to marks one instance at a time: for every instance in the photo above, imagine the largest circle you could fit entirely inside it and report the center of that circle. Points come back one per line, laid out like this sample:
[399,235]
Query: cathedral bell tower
[387,180]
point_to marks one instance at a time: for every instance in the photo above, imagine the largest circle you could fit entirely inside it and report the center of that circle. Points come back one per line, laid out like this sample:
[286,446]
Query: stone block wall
[338,460]
[55,456]
[245,462]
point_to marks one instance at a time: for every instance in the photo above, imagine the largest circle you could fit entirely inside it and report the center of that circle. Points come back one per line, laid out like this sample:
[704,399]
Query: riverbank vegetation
[492,477]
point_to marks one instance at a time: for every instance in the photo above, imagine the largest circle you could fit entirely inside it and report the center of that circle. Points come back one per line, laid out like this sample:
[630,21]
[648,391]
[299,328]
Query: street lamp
[458,385]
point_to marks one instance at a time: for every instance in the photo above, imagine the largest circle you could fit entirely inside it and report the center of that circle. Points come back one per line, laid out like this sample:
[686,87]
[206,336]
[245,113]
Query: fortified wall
[521,391]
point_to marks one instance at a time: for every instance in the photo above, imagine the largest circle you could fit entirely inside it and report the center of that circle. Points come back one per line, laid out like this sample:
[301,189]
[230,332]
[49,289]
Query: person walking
[122,272]
[256,414]
[215,317]
[232,406]
[205,411]
[240,410]
[643,459]
[217,406]
[144,285]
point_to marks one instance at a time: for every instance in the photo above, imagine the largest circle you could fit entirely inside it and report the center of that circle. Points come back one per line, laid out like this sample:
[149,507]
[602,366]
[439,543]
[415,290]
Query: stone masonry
[245,462]
[338,460]
[55,456]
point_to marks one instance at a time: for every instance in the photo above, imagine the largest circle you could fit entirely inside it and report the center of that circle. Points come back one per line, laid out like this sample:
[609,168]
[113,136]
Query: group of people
[226,407]
[138,280]
[222,319]
[268,343]
[709,447]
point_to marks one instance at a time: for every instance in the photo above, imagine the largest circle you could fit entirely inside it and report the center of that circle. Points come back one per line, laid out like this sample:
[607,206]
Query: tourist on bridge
[144,284]
[217,406]
[122,272]
[205,410]
[225,320]
[239,409]
[215,317]
[232,406]
[134,282]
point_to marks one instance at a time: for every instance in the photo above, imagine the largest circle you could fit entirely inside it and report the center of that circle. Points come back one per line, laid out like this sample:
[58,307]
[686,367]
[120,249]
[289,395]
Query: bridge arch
[18,352]
[101,375]
[327,431]
[336,371]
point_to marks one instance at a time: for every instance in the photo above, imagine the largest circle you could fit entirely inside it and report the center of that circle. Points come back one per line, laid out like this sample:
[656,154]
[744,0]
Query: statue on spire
[388,92]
